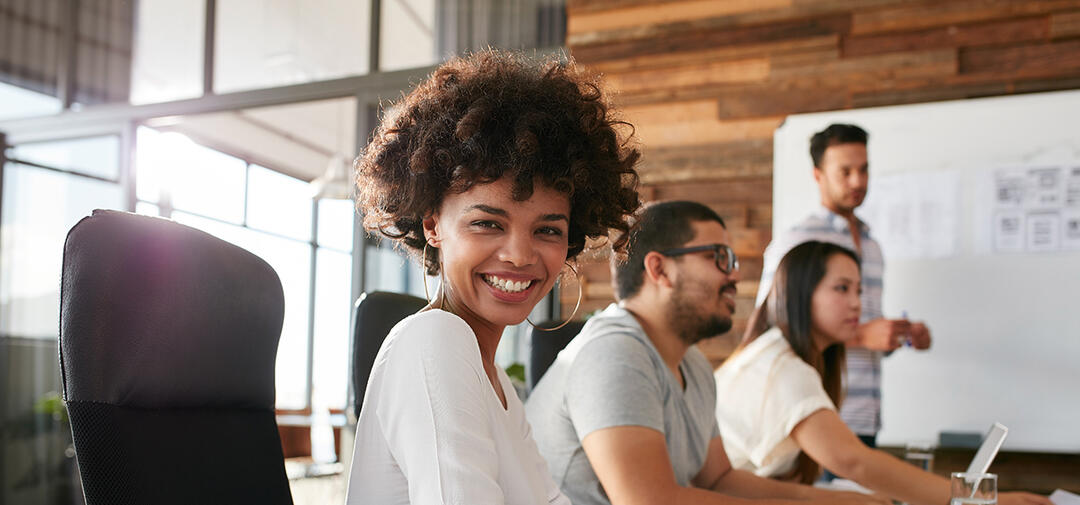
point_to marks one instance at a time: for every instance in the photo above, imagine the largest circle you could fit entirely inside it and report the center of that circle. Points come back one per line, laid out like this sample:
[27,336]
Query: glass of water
[974,489]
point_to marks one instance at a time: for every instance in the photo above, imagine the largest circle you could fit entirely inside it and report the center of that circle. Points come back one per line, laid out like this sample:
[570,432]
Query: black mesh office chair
[374,315]
[168,338]
[546,346]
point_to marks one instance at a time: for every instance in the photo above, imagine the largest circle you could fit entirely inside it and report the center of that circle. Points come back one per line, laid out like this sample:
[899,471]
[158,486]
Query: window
[260,44]
[167,63]
[407,34]
[307,242]
[19,102]
[40,206]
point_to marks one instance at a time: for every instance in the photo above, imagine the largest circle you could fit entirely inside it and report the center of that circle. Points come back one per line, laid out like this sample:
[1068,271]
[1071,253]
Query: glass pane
[336,224]
[202,180]
[416,280]
[155,156]
[94,155]
[16,102]
[168,55]
[148,209]
[292,262]
[278,203]
[333,310]
[104,39]
[386,270]
[261,44]
[407,34]
[40,206]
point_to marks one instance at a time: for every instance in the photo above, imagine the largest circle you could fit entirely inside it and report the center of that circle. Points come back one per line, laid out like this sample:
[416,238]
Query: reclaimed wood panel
[721,53]
[968,35]
[1065,24]
[690,133]
[690,76]
[930,14]
[1027,59]
[668,12]
[662,39]
[719,160]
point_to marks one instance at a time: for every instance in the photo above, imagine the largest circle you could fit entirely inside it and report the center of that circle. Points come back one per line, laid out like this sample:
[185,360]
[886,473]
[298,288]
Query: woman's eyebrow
[502,212]
[488,209]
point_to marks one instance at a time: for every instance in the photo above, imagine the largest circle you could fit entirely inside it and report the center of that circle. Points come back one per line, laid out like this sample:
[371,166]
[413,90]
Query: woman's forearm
[888,475]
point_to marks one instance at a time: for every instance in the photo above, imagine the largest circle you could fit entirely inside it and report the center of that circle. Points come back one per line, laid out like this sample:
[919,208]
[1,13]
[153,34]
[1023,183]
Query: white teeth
[507,285]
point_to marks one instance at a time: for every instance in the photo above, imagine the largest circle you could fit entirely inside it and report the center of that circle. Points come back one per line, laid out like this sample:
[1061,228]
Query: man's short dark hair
[658,227]
[833,135]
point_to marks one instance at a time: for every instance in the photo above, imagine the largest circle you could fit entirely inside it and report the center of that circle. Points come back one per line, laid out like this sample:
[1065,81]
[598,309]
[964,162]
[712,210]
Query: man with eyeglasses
[842,173]
[626,413]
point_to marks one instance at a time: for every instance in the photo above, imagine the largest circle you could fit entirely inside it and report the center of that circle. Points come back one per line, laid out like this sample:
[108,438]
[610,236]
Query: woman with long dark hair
[777,396]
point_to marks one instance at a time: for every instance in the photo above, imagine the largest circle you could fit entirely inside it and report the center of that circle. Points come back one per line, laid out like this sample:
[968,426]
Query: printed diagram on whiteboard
[1037,209]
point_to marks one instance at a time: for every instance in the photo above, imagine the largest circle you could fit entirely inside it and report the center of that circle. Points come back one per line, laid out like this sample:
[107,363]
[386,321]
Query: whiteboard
[1006,325]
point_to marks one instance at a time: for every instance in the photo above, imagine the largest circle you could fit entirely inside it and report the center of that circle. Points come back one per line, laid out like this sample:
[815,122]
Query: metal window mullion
[62,171]
[310,377]
[128,177]
[209,32]
[374,33]
[247,192]
[69,63]
[3,164]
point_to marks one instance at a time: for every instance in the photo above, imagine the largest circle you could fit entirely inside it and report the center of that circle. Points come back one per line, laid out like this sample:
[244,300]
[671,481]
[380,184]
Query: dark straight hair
[835,134]
[788,306]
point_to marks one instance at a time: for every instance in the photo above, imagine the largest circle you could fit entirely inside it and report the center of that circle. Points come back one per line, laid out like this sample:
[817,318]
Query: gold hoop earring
[424,276]
[580,292]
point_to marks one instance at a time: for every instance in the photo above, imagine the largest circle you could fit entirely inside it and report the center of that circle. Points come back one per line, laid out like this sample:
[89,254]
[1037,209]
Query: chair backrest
[168,338]
[374,315]
[546,346]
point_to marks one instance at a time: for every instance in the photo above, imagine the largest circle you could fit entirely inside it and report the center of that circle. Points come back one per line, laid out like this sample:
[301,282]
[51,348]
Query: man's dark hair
[833,135]
[660,226]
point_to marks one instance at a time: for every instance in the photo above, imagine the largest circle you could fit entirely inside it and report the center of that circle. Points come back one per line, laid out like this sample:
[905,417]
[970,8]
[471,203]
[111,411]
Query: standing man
[626,414]
[842,174]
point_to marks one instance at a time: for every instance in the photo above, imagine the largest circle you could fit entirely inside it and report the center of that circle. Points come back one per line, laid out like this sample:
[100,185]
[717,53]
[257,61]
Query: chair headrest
[155,314]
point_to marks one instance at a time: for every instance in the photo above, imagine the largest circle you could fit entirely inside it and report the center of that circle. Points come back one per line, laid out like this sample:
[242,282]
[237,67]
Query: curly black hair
[492,114]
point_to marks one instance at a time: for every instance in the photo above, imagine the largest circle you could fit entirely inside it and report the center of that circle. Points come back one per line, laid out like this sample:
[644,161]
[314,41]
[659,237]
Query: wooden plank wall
[706,82]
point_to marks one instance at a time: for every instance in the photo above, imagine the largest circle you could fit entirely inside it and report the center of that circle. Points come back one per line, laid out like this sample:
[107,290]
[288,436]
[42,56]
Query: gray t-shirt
[611,375]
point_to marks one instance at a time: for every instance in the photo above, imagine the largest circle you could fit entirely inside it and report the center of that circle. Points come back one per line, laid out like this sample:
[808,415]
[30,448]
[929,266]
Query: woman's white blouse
[433,431]
[762,393]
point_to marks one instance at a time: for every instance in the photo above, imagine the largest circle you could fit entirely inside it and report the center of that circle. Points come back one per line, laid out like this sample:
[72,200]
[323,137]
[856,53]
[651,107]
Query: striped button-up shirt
[862,405]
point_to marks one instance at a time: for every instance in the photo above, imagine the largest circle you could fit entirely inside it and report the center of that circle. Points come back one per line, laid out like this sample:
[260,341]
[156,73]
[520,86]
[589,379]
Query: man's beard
[689,322]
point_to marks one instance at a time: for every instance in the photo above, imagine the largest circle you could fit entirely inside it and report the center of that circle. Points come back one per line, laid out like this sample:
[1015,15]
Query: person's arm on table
[633,466]
[718,475]
[826,439]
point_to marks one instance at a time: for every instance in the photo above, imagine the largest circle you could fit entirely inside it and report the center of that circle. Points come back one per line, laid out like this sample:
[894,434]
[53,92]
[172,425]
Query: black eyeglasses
[724,255]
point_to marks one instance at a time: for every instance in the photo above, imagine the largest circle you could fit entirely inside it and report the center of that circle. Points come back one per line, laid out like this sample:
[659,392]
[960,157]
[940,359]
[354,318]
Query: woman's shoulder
[433,332]
[762,351]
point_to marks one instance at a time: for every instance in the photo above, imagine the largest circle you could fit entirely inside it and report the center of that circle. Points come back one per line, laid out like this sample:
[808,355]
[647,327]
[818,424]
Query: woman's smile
[500,255]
